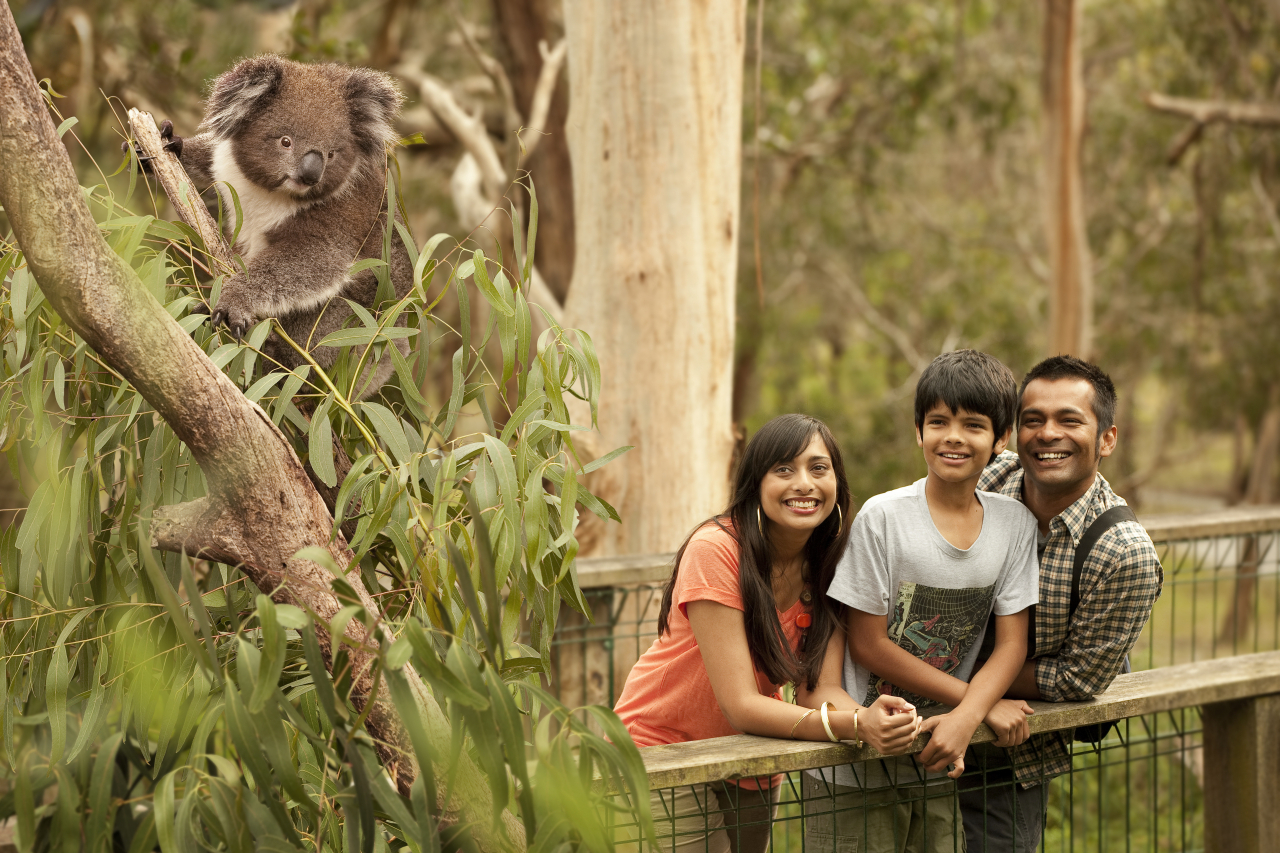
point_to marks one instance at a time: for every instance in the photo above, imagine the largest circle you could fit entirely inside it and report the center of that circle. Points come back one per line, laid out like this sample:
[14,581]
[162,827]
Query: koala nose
[312,168]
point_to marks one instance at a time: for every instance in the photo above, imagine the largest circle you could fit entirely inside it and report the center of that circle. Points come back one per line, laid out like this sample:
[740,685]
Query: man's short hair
[970,380]
[1070,367]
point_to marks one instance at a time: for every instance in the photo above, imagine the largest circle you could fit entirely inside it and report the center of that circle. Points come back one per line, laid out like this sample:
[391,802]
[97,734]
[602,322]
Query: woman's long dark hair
[780,440]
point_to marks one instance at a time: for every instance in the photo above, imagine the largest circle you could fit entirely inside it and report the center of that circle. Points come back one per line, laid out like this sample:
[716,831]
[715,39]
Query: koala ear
[239,94]
[374,101]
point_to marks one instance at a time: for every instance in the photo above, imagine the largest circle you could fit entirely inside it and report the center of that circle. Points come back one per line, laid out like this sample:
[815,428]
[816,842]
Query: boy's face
[957,445]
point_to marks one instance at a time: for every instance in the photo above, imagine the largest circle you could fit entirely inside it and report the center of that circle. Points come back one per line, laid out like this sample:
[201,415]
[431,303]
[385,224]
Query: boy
[925,567]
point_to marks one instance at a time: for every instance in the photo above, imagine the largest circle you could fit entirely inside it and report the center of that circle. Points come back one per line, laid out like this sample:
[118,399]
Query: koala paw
[237,320]
[171,143]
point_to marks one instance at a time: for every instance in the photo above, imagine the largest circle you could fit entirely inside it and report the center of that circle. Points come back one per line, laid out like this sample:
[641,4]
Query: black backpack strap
[1101,525]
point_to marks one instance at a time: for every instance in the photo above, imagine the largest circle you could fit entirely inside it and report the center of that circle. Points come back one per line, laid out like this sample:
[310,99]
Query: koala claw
[171,143]
[237,322]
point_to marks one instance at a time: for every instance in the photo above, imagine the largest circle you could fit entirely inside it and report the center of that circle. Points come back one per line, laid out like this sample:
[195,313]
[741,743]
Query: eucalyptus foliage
[149,701]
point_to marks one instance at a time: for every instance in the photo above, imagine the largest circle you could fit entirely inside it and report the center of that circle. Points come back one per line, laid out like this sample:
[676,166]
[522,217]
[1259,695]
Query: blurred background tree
[891,193]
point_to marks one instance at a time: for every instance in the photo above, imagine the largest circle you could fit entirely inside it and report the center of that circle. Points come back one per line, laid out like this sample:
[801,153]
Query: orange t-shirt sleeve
[709,570]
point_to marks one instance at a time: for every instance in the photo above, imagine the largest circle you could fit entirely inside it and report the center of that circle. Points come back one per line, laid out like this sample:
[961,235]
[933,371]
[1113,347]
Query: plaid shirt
[1120,582]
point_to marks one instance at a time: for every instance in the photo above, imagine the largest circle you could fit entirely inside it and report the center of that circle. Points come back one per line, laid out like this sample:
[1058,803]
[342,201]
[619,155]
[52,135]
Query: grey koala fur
[305,148]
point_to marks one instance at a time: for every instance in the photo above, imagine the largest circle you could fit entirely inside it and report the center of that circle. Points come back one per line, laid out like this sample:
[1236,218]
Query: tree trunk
[522,25]
[655,134]
[1261,489]
[261,508]
[1071,280]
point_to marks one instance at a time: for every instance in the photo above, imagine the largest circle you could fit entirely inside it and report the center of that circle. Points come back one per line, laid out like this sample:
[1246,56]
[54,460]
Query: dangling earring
[758,521]
[839,519]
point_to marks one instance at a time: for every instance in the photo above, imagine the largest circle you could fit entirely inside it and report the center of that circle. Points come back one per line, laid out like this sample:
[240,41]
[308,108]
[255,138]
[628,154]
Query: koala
[305,147]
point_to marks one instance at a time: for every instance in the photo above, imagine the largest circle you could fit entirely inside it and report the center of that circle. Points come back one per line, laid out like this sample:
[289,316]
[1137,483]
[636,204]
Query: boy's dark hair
[781,439]
[1070,367]
[970,380]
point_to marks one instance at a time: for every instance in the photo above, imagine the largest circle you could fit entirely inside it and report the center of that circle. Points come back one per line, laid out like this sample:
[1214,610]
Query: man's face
[1058,440]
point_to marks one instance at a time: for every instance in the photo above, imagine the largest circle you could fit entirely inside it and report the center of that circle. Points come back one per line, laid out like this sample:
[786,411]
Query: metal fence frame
[1221,599]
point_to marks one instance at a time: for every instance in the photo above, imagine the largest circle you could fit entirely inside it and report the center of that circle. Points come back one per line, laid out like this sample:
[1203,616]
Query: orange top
[668,696]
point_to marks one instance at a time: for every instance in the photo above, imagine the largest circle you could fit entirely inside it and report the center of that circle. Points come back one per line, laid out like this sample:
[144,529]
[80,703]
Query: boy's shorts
[902,819]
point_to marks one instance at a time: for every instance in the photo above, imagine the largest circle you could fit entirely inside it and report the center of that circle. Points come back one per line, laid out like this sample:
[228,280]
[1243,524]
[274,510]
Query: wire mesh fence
[1140,789]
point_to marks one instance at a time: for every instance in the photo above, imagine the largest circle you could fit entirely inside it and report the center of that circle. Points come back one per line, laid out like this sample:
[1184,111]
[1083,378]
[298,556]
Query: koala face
[298,146]
[303,130]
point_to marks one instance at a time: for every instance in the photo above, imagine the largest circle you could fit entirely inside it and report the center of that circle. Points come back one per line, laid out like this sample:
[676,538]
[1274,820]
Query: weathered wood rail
[1240,702]
[600,572]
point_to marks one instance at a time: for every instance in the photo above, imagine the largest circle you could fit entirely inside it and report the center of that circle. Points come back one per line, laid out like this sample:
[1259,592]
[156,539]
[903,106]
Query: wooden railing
[1240,701]
[1239,695]
[601,572]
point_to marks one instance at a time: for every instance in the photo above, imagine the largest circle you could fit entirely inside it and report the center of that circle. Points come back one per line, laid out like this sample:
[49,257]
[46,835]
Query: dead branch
[479,179]
[1209,112]
[552,62]
[184,195]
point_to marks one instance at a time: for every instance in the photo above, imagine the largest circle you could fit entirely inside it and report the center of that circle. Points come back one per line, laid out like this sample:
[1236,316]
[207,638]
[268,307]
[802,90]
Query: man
[1066,412]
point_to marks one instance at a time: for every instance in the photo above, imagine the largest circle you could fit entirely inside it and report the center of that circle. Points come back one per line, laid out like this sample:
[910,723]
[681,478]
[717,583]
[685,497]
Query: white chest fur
[262,209]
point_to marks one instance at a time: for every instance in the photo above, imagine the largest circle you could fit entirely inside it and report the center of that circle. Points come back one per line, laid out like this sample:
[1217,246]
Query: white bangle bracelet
[826,723]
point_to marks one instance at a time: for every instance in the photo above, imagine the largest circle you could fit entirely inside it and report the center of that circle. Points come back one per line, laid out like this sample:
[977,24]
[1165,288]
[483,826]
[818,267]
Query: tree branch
[1208,112]
[552,62]
[477,183]
[261,509]
[184,195]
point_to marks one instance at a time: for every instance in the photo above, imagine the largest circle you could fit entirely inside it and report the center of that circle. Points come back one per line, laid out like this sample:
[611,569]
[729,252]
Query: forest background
[892,201]
[891,196]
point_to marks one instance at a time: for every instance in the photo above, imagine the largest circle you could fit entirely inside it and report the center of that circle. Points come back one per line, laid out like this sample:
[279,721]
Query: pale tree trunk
[654,132]
[1261,489]
[1071,279]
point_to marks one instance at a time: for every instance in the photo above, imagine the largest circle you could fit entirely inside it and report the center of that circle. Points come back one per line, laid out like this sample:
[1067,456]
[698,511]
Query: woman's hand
[890,725]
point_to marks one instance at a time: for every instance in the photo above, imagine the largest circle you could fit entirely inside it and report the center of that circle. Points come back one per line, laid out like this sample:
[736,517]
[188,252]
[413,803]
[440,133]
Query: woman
[744,613]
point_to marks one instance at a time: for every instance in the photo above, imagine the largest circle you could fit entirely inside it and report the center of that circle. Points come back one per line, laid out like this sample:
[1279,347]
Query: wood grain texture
[1242,776]
[1153,691]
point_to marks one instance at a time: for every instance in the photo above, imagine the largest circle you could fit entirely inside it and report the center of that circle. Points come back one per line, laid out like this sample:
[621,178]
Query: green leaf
[66,125]
[595,464]
[320,444]
[365,336]
[56,681]
[272,661]
[366,264]
[93,714]
[101,813]
[491,293]
[289,616]
[388,428]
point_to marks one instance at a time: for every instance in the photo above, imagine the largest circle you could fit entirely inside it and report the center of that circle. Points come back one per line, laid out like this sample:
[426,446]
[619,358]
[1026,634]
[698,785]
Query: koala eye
[331,153]
[286,142]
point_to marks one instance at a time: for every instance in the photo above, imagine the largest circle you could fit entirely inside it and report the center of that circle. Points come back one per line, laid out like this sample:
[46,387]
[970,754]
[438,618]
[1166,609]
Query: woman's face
[798,494]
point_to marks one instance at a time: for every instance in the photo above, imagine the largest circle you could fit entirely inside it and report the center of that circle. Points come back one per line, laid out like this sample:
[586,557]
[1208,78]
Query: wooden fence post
[1242,776]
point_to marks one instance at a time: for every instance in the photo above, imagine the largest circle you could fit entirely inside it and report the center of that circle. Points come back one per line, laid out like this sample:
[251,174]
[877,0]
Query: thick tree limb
[261,509]
[1208,112]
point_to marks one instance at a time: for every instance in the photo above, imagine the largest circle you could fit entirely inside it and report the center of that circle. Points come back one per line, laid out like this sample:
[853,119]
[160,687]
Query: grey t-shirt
[936,598]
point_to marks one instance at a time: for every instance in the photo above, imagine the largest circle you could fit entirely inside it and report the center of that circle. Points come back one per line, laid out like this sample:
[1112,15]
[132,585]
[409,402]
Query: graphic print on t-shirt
[937,625]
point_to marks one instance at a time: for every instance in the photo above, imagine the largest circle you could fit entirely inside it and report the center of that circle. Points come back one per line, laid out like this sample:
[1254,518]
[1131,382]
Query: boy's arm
[953,731]
[870,646]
